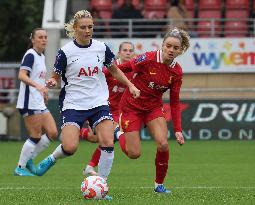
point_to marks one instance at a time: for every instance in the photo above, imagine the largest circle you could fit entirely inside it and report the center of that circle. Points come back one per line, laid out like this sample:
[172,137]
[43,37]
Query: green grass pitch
[200,172]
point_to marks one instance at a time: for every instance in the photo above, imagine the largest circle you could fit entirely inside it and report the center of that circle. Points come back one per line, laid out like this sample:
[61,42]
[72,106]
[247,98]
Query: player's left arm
[120,76]
[175,109]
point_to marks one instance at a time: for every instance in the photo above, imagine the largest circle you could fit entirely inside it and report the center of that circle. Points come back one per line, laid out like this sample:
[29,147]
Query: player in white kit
[38,120]
[84,94]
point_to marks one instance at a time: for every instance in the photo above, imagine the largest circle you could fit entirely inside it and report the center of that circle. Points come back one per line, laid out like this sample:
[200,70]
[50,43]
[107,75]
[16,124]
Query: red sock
[84,133]
[161,163]
[122,143]
[95,157]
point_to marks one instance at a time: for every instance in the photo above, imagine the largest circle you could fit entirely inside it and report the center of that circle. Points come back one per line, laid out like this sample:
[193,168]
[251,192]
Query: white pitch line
[70,188]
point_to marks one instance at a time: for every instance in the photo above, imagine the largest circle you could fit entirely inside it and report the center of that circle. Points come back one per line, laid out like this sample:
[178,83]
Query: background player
[31,103]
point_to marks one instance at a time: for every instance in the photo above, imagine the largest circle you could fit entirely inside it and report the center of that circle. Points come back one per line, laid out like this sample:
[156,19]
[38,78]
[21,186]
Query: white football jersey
[29,97]
[83,83]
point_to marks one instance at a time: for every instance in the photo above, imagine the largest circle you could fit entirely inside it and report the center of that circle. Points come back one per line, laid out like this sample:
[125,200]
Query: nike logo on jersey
[153,73]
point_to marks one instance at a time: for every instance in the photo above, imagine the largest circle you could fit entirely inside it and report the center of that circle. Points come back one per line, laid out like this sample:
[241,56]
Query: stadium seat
[206,29]
[209,4]
[189,4]
[236,29]
[101,4]
[209,14]
[155,4]
[105,14]
[136,3]
[237,4]
[158,13]
[191,13]
[236,13]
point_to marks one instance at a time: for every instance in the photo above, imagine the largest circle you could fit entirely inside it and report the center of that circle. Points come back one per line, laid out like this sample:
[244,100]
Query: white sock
[26,153]
[105,162]
[119,133]
[156,185]
[41,145]
[58,153]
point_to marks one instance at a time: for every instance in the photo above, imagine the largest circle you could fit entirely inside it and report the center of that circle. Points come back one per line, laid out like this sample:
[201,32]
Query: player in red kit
[116,90]
[154,73]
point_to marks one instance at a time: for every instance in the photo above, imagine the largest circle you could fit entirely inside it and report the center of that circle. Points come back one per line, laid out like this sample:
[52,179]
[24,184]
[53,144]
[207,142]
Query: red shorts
[133,121]
[116,116]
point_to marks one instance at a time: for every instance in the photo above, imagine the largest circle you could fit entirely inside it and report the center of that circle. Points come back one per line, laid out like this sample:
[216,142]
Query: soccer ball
[94,187]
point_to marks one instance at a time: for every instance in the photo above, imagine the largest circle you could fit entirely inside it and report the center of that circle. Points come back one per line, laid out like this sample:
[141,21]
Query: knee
[106,141]
[70,149]
[163,147]
[53,134]
[134,154]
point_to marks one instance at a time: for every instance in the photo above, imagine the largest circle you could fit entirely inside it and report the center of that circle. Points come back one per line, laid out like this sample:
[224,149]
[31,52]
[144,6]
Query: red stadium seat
[189,4]
[237,4]
[158,13]
[155,4]
[191,13]
[209,14]
[101,4]
[105,14]
[236,13]
[208,29]
[236,29]
[209,4]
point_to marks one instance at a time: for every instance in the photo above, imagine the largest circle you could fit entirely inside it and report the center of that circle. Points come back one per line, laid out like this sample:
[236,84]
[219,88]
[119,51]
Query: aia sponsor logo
[88,72]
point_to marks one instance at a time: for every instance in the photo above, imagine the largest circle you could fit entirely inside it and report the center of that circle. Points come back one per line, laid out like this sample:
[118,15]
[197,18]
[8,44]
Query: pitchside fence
[202,118]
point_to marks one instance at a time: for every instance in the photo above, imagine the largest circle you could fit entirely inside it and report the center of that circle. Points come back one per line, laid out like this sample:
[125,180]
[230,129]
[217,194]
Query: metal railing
[10,95]
[150,28]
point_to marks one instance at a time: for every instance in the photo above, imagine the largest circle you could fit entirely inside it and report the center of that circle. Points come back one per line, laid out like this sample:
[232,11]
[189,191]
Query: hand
[134,91]
[51,83]
[179,138]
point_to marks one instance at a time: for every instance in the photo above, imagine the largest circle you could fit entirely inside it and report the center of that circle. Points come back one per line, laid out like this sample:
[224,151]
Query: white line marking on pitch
[70,188]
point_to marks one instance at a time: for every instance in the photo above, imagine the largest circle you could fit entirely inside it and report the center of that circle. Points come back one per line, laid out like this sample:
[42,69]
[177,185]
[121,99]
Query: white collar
[160,59]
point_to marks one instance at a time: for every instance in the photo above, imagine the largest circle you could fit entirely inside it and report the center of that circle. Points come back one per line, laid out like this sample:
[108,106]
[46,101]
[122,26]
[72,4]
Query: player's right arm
[53,80]
[25,69]
[59,66]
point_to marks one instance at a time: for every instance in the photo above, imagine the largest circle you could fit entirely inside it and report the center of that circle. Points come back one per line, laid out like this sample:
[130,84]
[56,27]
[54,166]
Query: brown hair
[32,35]
[182,35]
[126,42]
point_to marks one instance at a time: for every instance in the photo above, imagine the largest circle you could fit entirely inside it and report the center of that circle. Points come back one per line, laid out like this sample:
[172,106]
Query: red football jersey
[153,78]
[116,89]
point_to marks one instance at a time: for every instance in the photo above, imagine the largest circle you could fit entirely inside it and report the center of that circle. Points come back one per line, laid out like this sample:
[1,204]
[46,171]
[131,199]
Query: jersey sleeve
[175,104]
[27,62]
[126,67]
[60,63]
[136,63]
[109,57]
